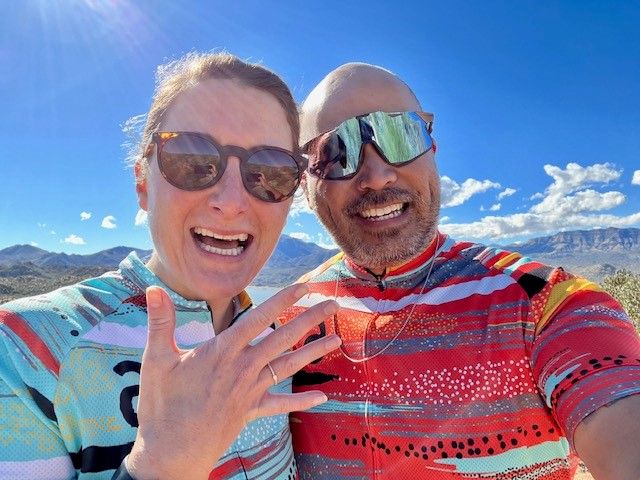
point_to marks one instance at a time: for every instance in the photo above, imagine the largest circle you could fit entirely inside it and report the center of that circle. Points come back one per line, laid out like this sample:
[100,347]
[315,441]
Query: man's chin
[380,250]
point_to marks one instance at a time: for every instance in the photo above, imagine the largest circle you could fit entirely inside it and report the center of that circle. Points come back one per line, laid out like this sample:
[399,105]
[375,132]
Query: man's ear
[141,171]
[304,183]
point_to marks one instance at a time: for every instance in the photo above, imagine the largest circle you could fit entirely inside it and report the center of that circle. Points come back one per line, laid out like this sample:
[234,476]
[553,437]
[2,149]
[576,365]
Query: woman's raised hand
[194,403]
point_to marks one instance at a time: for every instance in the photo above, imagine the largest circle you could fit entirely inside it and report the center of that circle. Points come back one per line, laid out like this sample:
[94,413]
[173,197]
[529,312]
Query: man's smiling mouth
[383,213]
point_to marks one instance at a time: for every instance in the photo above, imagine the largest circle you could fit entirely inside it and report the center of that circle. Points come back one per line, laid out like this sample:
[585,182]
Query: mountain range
[594,254]
[25,269]
[290,259]
[28,270]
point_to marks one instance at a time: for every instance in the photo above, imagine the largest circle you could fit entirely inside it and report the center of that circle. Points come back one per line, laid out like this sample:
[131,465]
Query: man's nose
[375,173]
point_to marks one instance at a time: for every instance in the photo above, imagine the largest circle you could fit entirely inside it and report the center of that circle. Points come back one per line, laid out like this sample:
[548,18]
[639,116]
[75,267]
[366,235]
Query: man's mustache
[377,198]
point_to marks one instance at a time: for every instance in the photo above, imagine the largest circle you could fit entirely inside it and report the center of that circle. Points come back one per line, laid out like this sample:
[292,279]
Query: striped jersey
[69,380]
[467,362]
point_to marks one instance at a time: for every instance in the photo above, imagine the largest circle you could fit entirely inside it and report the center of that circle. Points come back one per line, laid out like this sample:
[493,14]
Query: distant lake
[260,294]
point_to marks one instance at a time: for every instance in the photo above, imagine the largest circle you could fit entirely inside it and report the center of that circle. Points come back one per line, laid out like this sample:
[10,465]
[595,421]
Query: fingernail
[319,399]
[302,289]
[154,297]
[333,342]
[330,308]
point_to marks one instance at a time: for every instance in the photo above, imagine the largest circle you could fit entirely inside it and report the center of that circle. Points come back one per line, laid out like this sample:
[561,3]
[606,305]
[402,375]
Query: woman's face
[186,256]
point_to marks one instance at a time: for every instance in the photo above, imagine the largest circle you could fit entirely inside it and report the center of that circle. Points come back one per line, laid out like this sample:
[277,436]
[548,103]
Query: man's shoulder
[507,262]
[545,285]
[322,279]
[322,271]
[532,276]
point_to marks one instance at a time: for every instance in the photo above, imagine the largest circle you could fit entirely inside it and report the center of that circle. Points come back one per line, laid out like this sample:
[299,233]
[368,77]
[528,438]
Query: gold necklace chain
[406,321]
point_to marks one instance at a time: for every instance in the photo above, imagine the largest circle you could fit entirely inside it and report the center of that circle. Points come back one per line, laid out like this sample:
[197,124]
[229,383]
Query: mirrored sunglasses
[399,138]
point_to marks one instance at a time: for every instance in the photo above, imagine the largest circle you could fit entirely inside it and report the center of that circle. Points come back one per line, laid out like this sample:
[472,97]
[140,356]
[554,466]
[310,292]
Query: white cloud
[305,237]
[567,204]
[507,192]
[322,240]
[536,196]
[454,194]
[74,240]
[300,204]
[573,178]
[493,208]
[141,218]
[109,222]
[42,225]
[524,224]
[52,232]
[444,219]
[636,178]
[585,201]
[34,244]
[326,241]
[85,216]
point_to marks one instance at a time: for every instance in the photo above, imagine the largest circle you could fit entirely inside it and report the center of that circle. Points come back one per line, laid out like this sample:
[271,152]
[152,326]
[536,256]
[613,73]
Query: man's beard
[378,250]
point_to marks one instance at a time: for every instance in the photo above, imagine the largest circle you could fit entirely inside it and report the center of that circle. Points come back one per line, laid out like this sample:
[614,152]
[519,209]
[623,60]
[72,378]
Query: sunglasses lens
[402,137]
[190,162]
[271,175]
[337,153]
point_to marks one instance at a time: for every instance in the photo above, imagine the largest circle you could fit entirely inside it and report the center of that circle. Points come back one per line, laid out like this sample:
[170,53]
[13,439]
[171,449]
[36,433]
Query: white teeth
[384,213]
[222,251]
[241,237]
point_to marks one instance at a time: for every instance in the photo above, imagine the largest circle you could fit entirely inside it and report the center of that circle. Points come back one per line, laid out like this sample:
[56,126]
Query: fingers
[289,363]
[264,314]
[288,335]
[161,323]
[276,403]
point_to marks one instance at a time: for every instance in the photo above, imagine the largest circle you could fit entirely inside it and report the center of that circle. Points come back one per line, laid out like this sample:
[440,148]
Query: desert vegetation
[625,287]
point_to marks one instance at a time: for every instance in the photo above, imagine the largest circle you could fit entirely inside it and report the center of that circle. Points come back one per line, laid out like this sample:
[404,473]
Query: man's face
[384,215]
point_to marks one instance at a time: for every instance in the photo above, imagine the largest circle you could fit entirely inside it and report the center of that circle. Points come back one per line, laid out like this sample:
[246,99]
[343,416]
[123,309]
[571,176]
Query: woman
[71,360]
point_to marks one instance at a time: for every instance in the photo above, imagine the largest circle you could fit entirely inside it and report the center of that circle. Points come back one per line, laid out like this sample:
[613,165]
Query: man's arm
[607,440]
[586,352]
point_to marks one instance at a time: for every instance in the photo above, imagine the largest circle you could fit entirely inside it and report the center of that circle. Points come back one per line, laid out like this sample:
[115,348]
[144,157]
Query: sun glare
[118,22]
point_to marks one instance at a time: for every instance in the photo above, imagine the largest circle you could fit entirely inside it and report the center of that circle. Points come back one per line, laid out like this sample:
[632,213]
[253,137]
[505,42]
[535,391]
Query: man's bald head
[350,90]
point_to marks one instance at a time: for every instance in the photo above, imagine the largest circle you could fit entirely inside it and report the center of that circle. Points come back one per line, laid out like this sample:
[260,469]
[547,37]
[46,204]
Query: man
[458,360]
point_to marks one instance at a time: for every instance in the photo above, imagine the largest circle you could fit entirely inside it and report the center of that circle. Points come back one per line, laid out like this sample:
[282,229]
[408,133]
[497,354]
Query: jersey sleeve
[585,352]
[32,446]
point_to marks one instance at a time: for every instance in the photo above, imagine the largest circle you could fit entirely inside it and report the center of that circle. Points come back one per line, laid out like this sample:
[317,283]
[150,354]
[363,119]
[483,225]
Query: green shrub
[625,287]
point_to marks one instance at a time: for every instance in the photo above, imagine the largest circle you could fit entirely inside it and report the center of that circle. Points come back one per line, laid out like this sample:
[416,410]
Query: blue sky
[536,104]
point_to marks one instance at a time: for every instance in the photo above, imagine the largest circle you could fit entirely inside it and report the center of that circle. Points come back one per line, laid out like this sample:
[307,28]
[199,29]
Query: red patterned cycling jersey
[478,366]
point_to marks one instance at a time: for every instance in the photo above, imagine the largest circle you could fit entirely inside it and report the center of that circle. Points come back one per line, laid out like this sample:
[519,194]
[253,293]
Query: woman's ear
[141,171]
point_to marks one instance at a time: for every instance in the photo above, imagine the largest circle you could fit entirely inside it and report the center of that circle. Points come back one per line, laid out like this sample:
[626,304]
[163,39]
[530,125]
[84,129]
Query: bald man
[458,360]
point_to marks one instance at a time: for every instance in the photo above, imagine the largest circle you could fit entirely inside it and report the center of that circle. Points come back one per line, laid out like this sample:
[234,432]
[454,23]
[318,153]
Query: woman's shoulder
[58,317]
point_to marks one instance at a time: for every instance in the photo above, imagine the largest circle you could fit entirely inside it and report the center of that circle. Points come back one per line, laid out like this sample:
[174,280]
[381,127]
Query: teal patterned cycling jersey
[69,380]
